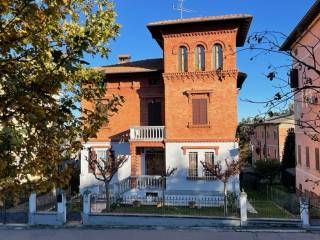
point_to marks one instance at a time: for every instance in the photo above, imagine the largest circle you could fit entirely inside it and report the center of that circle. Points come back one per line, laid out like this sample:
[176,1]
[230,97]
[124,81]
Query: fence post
[86,207]
[62,211]
[243,209]
[304,212]
[32,208]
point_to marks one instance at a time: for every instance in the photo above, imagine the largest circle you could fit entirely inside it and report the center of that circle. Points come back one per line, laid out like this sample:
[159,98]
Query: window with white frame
[99,155]
[200,58]
[209,159]
[193,164]
[217,57]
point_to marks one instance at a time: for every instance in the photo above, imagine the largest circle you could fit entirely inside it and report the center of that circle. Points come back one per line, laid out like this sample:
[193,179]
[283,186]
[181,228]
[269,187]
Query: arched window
[183,59]
[217,57]
[199,58]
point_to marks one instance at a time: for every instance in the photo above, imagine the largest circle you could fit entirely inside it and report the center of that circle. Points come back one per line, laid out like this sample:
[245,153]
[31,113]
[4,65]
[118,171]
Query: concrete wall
[129,220]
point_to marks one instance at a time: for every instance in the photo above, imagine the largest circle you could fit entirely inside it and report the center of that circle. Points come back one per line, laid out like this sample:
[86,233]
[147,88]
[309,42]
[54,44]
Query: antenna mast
[181,8]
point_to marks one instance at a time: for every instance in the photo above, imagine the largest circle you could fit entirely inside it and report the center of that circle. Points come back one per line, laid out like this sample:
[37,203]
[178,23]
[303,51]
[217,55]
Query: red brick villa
[179,110]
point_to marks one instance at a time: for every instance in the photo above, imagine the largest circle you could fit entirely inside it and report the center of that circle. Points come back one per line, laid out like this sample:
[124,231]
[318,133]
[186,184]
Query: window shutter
[92,157]
[317,159]
[203,111]
[199,111]
[299,154]
[196,111]
[307,157]
[294,78]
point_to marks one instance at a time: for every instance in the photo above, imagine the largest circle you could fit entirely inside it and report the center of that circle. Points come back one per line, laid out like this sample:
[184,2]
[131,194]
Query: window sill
[191,125]
[201,178]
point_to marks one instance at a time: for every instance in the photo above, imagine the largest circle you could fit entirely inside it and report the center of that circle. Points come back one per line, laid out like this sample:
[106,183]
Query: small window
[299,154]
[274,135]
[193,164]
[267,134]
[307,157]
[275,154]
[102,157]
[262,134]
[217,57]
[199,111]
[317,159]
[200,58]
[183,59]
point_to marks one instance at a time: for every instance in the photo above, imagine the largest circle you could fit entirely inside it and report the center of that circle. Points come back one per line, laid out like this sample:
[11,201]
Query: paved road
[120,234]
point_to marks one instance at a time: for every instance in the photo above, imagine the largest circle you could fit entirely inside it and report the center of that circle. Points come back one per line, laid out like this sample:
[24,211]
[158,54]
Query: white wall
[87,180]
[176,158]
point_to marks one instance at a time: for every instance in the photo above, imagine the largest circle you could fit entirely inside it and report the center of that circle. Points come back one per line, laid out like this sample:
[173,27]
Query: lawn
[273,202]
[268,209]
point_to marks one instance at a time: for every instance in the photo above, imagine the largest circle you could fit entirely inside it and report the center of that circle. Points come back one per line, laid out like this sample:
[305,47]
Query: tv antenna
[181,8]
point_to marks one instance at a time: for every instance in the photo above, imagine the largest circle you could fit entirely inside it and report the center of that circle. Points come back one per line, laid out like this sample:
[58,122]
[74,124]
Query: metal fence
[173,205]
[47,202]
[272,202]
[14,210]
[314,208]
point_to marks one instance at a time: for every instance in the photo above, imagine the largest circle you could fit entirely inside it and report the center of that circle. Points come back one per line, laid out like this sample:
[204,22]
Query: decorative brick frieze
[197,34]
[195,76]
[185,148]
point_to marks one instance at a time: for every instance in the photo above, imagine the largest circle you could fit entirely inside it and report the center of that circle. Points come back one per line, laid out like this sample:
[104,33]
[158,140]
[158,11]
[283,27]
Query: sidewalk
[154,234]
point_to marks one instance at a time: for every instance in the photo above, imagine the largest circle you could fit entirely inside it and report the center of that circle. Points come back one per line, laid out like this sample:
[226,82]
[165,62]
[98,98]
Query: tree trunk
[163,179]
[225,200]
[106,185]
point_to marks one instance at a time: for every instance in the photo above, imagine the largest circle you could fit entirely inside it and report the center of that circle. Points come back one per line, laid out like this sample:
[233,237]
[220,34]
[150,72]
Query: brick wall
[137,92]
[220,90]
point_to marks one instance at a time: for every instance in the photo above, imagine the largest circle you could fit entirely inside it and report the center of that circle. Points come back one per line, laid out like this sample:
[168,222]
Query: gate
[14,211]
[74,209]
[314,210]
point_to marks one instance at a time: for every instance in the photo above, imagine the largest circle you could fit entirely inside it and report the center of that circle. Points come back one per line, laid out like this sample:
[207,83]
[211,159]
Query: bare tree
[296,79]
[169,172]
[105,168]
[223,173]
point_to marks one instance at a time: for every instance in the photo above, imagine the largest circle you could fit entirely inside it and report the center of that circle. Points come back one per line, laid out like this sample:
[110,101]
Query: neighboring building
[268,137]
[304,40]
[178,111]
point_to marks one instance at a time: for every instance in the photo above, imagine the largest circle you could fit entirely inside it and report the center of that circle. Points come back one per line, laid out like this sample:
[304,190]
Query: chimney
[124,58]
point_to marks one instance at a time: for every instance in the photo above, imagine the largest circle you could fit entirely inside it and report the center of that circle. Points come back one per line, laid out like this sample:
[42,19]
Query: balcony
[147,133]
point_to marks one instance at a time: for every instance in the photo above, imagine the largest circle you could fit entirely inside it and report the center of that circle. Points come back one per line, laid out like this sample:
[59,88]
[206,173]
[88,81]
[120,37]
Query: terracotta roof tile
[242,21]
[200,19]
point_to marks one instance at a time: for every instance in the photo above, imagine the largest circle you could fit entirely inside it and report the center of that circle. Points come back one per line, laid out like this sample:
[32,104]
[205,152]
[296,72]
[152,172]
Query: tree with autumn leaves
[43,78]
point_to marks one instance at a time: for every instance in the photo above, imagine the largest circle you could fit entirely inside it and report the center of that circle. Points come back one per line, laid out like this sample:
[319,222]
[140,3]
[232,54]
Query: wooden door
[155,162]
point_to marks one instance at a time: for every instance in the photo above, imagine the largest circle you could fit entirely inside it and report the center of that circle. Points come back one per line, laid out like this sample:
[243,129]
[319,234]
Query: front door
[155,162]
[154,114]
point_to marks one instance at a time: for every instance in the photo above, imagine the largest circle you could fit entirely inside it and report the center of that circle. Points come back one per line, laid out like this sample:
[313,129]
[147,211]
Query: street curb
[313,229]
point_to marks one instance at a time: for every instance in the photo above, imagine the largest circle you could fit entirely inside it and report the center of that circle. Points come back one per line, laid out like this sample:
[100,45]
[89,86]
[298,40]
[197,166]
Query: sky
[272,15]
